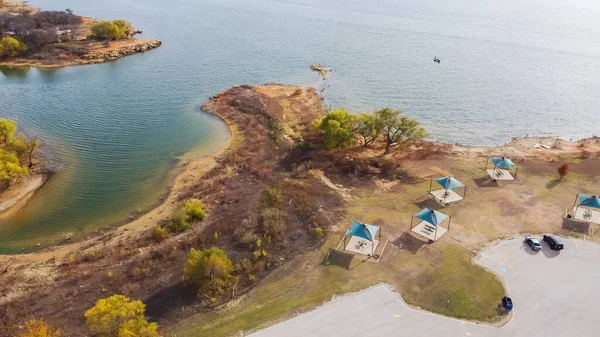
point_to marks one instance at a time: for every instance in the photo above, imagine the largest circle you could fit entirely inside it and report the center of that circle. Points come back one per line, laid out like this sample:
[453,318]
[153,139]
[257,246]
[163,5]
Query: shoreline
[117,50]
[18,195]
[97,51]
[231,181]
[190,172]
[522,146]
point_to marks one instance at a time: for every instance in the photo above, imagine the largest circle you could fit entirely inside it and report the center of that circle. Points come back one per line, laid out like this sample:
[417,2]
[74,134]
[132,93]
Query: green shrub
[194,209]
[319,232]
[272,197]
[119,316]
[245,264]
[159,234]
[274,221]
[251,277]
[123,25]
[337,127]
[11,47]
[106,30]
[178,226]
[208,265]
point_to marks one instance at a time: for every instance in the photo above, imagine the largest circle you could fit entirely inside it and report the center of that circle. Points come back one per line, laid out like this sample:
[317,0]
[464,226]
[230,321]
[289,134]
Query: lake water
[508,68]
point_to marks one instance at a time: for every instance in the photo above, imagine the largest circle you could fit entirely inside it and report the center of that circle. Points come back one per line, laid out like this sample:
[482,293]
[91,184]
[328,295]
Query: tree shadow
[551,184]
[172,298]
[409,243]
[485,182]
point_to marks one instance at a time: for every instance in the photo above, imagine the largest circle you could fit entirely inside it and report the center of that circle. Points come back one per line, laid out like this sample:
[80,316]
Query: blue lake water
[509,68]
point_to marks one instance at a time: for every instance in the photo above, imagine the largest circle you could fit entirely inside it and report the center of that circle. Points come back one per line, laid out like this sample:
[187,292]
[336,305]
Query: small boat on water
[435,59]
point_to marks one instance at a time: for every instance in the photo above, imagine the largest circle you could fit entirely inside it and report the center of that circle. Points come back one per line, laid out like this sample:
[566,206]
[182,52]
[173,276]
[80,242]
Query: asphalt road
[554,294]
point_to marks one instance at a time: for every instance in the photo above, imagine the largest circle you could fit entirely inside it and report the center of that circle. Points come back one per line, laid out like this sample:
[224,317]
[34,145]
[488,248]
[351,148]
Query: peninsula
[39,38]
[251,235]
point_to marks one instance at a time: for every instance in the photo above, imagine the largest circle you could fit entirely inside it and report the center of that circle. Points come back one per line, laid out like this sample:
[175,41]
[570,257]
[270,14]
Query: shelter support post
[465,192]
[411,222]
[449,222]
[575,204]
[435,235]
[430,183]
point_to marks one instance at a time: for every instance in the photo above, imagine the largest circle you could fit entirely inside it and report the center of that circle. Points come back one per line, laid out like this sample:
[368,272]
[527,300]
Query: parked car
[507,303]
[533,243]
[553,242]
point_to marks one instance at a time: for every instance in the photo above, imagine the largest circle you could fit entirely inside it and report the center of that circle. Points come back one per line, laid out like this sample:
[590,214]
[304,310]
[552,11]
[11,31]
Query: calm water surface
[509,68]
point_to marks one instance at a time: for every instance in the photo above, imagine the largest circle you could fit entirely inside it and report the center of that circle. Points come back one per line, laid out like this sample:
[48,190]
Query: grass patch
[456,287]
[306,283]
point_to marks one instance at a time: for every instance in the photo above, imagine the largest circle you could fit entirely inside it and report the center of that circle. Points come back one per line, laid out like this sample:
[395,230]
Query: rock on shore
[114,53]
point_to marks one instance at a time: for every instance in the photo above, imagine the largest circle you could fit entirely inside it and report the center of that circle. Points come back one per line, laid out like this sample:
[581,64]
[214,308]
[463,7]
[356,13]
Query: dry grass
[441,277]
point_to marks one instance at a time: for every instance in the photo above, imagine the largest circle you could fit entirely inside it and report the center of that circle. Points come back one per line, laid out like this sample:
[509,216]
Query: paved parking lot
[555,294]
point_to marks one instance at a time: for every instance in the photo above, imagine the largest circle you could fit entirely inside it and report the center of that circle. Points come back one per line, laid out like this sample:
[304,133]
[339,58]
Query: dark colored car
[507,303]
[533,243]
[553,242]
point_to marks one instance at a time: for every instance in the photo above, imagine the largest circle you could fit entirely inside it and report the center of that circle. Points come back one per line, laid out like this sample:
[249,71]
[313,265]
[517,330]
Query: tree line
[342,129]
[29,32]
[16,153]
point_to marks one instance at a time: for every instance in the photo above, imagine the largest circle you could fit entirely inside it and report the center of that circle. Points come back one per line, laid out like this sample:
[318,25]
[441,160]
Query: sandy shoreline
[14,198]
[192,173]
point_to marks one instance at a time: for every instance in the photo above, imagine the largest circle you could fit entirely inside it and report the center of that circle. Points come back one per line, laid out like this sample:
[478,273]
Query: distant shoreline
[116,50]
[94,51]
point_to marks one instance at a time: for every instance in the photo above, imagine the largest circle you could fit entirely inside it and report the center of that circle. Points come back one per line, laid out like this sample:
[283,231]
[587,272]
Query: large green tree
[11,47]
[338,127]
[107,30]
[398,128]
[369,127]
[8,129]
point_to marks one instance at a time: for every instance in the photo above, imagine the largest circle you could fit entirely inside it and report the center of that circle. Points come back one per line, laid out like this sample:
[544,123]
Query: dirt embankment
[266,122]
[16,196]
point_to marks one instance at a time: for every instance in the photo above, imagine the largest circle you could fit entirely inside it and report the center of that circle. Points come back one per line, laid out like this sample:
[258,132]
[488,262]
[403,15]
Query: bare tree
[32,147]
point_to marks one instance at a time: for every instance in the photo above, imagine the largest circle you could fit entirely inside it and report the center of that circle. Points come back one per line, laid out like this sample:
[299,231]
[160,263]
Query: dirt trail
[343,192]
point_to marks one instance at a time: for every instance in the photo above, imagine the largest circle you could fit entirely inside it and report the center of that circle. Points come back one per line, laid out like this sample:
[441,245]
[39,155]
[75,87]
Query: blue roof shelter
[501,169]
[447,195]
[431,223]
[586,209]
[362,236]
